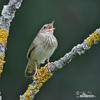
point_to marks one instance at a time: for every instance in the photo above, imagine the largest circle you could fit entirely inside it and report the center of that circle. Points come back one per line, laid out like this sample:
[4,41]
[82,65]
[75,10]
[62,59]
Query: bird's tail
[30,68]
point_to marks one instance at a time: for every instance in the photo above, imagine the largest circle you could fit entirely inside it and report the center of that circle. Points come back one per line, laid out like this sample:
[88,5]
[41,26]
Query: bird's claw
[48,65]
[36,72]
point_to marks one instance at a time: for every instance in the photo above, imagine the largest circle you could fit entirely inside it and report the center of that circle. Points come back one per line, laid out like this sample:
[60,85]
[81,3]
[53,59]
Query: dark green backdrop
[75,19]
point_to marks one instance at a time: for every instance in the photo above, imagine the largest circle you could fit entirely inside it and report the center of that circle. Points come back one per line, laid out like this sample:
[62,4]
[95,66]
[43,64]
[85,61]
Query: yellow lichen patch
[1,64]
[3,35]
[35,78]
[42,76]
[27,98]
[27,93]
[36,87]
[40,84]
[93,38]
[3,39]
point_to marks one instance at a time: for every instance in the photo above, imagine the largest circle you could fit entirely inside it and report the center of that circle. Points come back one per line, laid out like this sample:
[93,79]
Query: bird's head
[47,28]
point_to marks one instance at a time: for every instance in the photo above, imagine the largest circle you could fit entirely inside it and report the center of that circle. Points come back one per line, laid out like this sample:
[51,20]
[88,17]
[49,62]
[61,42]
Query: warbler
[41,49]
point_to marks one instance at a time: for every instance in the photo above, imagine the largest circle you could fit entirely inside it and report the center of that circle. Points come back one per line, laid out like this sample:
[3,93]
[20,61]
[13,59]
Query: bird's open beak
[52,22]
[50,27]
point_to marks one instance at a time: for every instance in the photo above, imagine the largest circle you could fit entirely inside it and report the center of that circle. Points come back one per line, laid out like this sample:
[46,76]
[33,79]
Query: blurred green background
[74,21]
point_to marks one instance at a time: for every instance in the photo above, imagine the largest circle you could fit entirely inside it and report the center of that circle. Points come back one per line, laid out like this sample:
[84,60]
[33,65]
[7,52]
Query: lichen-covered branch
[7,15]
[0,96]
[44,73]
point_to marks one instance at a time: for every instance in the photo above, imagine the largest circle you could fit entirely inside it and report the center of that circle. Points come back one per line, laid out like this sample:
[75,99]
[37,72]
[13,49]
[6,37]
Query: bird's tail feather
[30,69]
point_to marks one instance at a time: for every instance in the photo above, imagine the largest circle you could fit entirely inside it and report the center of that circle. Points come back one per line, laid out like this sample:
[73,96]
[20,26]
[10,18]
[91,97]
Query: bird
[41,49]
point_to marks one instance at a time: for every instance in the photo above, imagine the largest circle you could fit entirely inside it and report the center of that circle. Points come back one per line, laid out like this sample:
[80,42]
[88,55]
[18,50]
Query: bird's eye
[45,27]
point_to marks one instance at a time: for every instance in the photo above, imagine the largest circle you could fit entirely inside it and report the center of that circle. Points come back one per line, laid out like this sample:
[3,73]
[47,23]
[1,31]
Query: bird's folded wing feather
[34,44]
[32,47]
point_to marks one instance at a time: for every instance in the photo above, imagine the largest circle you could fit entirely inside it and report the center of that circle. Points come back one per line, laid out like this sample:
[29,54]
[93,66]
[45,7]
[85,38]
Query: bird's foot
[36,72]
[48,65]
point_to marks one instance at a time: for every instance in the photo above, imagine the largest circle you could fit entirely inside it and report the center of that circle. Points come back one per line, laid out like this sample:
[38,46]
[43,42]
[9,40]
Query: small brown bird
[41,49]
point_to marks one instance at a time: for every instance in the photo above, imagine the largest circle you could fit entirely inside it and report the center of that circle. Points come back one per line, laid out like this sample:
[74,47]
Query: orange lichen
[3,40]
[42,77]
[3,35]
[93,38]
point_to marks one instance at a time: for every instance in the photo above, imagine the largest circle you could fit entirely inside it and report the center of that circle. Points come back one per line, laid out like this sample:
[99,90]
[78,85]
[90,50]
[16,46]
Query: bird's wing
[34,44]
[32,47]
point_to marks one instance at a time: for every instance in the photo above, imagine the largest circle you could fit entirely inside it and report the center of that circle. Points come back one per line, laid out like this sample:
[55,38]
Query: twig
[7,15]
[44,73]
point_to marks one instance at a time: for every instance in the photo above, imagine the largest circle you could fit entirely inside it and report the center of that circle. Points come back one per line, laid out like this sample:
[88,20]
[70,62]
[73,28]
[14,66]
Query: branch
[7,15]
[44,73]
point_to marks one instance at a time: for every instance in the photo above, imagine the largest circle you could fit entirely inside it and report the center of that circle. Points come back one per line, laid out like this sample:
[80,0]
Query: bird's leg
[36,69]
[48,61]
[48,64]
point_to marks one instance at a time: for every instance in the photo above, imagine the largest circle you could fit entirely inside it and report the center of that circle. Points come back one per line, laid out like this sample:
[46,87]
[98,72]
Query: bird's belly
[41,54]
